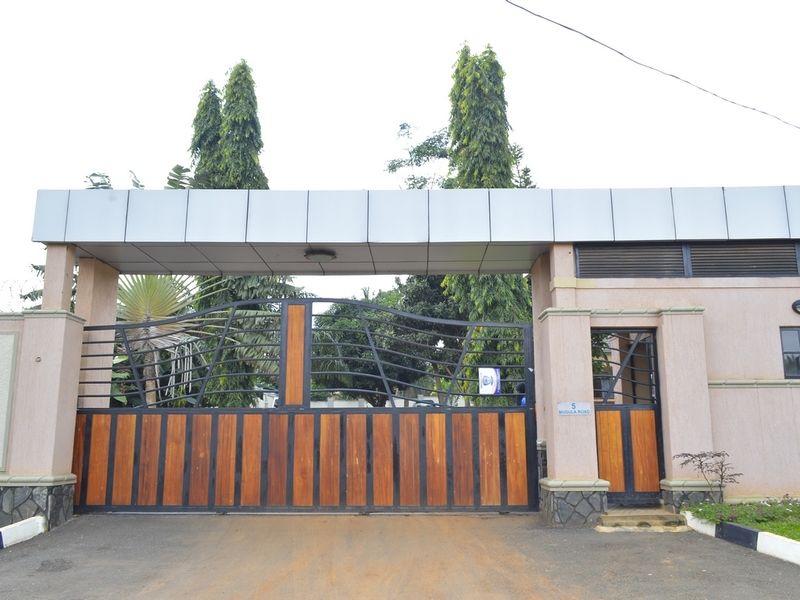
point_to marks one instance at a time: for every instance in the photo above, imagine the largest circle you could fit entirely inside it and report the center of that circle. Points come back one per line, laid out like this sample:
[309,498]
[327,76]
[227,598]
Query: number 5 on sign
[575,408]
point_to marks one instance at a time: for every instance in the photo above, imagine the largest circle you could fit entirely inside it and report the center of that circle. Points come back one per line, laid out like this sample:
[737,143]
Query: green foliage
[480,152]
[221,290]
[342,349]
[135,183]
[101,181]
[179,178]
[499,298]
[98,181]
[237,368]
[481,156]
[522,177]
[778,516]
[428,152]
[207,132]
[144,298]
[241,133]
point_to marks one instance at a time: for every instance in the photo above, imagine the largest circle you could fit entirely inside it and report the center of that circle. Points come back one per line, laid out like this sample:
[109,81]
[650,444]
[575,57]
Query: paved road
[386,556]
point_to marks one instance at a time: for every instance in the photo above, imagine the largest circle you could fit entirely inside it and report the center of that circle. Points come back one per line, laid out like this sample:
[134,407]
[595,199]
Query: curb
[760,541]
[21,531]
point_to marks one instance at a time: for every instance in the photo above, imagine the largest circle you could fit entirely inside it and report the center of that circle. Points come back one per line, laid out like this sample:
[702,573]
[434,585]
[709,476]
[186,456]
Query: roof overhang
[387,232]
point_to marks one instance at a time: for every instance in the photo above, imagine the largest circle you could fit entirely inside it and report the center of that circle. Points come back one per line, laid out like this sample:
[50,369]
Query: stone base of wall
[573,503]
[541,458]
[677,494]
[21,498]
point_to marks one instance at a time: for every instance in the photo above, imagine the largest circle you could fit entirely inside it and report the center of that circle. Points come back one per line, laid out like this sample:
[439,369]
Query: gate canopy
[385,232]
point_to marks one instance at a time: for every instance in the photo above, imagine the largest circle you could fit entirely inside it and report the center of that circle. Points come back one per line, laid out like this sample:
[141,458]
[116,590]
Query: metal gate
[271,406]
[627,415]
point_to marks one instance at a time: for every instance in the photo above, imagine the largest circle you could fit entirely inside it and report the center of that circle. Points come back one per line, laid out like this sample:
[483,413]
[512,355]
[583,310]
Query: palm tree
[151,298]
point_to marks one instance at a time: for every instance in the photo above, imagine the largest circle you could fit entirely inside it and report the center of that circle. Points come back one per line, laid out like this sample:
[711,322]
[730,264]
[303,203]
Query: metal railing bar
[126,344]
[375,355]
[276,303]
[453,381]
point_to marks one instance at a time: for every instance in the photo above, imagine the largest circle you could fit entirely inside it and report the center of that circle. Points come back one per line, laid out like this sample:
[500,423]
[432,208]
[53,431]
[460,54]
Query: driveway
[378,556]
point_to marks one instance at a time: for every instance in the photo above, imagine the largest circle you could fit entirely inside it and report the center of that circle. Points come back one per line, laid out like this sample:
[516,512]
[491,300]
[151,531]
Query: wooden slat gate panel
[373,460]
[627,451]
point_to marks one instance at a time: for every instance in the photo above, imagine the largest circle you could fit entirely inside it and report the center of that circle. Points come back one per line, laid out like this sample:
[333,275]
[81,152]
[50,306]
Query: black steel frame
[224,316]
[370,507]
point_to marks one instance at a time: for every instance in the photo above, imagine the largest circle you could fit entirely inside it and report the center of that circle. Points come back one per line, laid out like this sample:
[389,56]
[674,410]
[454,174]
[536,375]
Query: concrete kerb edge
[767,543]
[22,531]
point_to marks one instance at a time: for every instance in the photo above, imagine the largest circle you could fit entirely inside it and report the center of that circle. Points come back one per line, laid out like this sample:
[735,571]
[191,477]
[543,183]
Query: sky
[112,86]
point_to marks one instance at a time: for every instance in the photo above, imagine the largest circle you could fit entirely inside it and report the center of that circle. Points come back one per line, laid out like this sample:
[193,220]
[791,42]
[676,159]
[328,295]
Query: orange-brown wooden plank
[409,460]
[610,465]
[277,460]
[436,459]
[148,459]
[356,459]
[77,455]
[173,460]
[225,474]
[329,450]
[295,354]
[123,460]
[645,451]
[200,465]
[251,460]
[303,475]
[382,464]
[98,460]
[516,460]
[489,458]
[462,460]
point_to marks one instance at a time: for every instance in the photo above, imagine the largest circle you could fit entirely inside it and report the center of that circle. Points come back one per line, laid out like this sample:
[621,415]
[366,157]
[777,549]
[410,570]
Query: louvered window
[630,260]
[696,259]
[744,259]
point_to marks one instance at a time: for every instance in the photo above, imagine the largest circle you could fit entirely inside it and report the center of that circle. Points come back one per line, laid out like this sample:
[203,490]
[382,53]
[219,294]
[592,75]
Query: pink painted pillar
[572,493]
[685,403]
[97,303]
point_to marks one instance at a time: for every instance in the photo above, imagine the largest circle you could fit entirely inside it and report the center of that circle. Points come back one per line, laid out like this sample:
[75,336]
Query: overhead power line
[652,68]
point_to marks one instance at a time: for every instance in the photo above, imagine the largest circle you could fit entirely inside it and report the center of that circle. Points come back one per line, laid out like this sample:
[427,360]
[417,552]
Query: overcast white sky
[112,86]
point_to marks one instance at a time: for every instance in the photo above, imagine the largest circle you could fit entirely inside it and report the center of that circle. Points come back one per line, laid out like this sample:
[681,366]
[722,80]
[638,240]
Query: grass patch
[781,517]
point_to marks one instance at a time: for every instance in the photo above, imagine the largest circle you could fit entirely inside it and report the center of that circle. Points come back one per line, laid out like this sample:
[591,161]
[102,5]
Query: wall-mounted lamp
[796,306]
[319,255]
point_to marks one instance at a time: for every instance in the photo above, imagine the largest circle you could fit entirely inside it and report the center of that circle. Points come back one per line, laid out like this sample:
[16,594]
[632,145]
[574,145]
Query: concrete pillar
[96,302]
[540,290]
[42,425]
[685,403]
[571,493]
[58,273]
[564,370]
[562,270]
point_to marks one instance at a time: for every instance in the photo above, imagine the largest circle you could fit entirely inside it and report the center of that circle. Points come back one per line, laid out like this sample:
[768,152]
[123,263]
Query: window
[790,342]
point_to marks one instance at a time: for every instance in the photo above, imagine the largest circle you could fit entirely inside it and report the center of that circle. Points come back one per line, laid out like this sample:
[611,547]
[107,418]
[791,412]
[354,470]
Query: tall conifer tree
[207,131]
[481,156]
[480,153]
[241,133]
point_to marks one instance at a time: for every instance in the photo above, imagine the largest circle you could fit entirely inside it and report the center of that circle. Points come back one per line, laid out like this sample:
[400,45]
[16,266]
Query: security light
[319,255]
